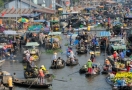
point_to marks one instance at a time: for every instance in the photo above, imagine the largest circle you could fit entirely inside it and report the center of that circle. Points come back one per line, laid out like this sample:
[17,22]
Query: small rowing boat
[30,83]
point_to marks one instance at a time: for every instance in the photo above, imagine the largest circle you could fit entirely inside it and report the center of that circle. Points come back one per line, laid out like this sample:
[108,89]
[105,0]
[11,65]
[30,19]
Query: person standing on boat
[55,59]
[92,57]
[89,65]
[41,75]
[72,54]
[10,83]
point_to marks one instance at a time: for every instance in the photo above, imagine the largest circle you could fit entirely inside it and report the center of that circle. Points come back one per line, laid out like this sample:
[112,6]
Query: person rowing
[41,76]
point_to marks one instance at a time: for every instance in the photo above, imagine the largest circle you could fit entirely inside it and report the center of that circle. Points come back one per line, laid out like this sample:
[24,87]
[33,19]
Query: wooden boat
[70,63]
[104,72]
[84,68]
[89,74]
[2,62]
[29,74]
[57,66]
[28,83]
[108,80]
[81,52]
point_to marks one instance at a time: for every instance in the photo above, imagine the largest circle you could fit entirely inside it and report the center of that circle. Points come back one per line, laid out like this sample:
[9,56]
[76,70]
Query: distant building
[17,8]
[90,3]
[53,4]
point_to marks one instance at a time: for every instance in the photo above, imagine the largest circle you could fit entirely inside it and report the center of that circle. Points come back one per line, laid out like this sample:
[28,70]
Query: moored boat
[116,87]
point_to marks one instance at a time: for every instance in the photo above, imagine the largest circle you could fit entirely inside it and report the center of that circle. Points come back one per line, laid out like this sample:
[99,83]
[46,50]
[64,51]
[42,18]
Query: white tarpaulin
[9,32]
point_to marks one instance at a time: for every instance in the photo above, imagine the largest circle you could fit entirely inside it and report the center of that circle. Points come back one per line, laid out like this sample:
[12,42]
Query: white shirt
[54,57]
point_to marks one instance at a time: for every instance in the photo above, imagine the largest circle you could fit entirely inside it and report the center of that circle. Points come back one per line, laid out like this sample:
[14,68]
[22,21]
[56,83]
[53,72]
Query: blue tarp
[105,33]
[90,8]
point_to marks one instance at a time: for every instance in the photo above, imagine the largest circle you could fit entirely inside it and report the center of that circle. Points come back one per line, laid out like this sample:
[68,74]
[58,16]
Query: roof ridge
[32,4]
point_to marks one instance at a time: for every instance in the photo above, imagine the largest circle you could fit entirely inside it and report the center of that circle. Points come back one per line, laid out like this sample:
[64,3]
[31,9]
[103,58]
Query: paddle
[32,83]
[73,73]
[58,79]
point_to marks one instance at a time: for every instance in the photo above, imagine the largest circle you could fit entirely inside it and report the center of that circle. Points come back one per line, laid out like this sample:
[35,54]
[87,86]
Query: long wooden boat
[69,63]
[30,83]
[58,66]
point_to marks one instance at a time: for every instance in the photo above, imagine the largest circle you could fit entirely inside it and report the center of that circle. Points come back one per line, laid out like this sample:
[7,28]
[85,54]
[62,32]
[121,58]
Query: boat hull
[68,63]
[58,66]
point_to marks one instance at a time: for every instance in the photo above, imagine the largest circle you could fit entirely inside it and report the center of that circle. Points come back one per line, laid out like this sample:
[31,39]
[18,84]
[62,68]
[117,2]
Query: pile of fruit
[126,75]
[35,57]
[119,65]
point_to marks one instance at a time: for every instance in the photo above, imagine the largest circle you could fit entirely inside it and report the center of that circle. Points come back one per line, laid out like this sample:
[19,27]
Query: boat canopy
[54,33]
[9,32]
[54,21]
[32,44]
[119,47]
[39,21]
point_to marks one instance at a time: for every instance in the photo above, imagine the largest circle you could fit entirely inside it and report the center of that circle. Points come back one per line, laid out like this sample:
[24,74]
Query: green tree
[1,3]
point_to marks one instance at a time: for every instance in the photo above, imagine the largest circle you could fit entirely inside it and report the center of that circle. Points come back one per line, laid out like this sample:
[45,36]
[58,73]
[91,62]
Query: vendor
[43,68]
[92,57]
[31,58]
[115,55]
[55,56]
[26,51]
[107,62]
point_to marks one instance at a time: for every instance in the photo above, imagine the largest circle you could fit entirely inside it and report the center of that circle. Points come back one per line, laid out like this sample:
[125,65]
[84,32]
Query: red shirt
[114,55]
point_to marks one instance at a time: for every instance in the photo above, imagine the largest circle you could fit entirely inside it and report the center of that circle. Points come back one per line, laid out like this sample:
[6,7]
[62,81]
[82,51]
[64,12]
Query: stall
[53,40]
[55,25]
[33,50]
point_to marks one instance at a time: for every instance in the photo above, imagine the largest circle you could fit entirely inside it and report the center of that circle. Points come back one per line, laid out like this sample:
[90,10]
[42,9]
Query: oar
[32,83]
[60,80]
[73,73]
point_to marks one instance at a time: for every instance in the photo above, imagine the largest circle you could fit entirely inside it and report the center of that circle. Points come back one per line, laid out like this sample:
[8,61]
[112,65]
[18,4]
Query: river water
[74,81]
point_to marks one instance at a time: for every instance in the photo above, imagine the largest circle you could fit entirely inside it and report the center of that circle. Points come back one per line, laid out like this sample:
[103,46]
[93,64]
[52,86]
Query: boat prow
[2,62]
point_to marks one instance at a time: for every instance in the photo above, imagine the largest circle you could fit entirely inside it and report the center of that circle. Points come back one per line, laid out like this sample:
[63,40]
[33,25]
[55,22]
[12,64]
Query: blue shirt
[122,55]
[119,82]
[123,83]
[76,42]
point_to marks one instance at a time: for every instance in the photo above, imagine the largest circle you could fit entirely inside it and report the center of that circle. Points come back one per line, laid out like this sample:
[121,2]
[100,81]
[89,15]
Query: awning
[54,33]
[32,44]
[118,47]
[10,32]
[30,15]
[39,20]
[105,33]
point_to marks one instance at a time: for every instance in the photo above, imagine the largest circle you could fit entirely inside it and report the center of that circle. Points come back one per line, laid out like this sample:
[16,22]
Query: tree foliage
[4,1]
